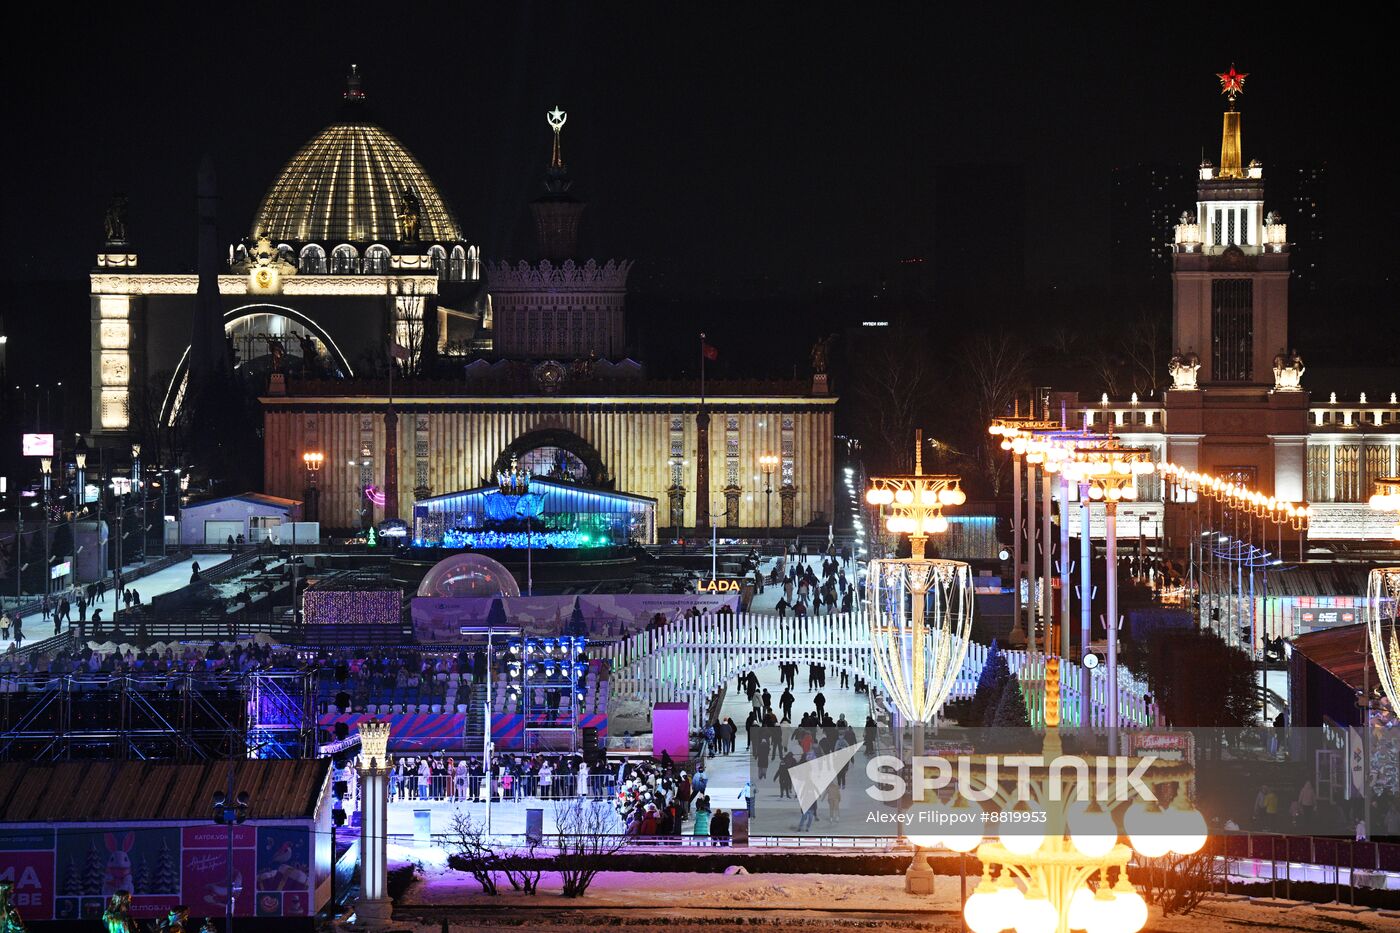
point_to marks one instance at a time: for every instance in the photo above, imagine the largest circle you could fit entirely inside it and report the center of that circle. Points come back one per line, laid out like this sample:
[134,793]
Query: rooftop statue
[410,215]
[1288,372]
[115,220]
[1183,369]
[821,352]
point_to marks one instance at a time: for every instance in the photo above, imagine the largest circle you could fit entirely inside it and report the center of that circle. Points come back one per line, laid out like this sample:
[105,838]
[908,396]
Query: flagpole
[702,370]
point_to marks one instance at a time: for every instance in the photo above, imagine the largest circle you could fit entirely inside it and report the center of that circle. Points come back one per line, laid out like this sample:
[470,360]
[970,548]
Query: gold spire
[1231,163]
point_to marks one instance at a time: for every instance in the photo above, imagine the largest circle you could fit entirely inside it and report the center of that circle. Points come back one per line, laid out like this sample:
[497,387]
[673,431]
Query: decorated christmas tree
[1011,710]
[73,878]
[94,870]
[167,879]
[991,683]
[141,878]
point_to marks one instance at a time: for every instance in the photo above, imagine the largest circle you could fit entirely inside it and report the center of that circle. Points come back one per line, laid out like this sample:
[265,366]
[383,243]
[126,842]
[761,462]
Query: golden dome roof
[347,185]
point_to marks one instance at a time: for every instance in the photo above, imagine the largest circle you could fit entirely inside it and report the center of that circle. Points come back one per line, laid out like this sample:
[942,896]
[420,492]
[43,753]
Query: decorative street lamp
[920,613]
[313,461]
[1383,628]
[374,907]
[136,487]
[1017,435]
[46,467]
[768,463]
[1109,471]
[1044,864]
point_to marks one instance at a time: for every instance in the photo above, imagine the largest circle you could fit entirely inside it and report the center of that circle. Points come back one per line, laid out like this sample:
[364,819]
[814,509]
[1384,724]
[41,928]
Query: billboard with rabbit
[69,872]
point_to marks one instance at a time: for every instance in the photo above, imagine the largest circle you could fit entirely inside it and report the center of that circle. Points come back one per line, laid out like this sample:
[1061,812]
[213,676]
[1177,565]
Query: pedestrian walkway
[166,580]
[728,773]
[767,601]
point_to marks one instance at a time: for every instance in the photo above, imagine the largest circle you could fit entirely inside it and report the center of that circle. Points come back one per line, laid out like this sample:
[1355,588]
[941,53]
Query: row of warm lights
[1152,831]
[904,525]
[927,496]
[1239,496]
[997,905]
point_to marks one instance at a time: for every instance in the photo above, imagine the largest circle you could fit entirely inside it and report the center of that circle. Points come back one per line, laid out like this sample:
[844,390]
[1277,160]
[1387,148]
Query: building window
[731,451]
[677,451]
[343,259]
[1244,226]
[1319,470]
[1215,228]
[1232,330]
[313,260]
[1230,227]
[377,260]
[1348,473]
[789,448]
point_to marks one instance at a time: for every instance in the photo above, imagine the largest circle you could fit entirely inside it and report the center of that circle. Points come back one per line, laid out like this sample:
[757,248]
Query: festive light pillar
[1018,629]
[1047,592]
[920,613]
[374,907]
[1086,603]
[1065,604]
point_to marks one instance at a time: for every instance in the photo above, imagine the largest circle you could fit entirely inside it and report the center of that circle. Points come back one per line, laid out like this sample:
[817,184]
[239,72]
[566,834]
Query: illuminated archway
[265,330]
[563,446]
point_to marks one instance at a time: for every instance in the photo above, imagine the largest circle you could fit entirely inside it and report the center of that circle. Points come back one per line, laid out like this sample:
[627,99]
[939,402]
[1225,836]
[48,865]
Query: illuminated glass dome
[468,575]
[347,186]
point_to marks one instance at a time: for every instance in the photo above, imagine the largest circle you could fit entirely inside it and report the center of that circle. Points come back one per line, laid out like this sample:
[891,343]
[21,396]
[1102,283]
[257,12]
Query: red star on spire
[1232,83]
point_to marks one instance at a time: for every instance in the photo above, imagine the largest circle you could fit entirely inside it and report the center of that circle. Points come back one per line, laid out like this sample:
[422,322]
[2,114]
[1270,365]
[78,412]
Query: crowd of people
[807,593]
[656,798]
[213,658]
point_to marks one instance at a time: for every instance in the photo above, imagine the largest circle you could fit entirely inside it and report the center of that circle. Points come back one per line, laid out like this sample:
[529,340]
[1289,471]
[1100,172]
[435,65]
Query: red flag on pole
[710,352]
[398,351]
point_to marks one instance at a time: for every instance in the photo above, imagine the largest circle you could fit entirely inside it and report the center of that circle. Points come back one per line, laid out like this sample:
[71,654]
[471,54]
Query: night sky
[717,144]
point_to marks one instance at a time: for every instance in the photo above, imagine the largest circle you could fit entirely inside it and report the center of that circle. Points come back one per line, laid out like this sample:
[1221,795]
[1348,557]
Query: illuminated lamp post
[79,501]
[1110,472]
[46,467]
[1036,875]
[313,460]
[920,614]
[374,906]
[136,487]
[768,463]
[1017,438]
[1044,864]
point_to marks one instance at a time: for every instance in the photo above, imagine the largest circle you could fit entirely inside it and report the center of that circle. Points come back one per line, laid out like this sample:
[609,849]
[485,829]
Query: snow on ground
[682,901]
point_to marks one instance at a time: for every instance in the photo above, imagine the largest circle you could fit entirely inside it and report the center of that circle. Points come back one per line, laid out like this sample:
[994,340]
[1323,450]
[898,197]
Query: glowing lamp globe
[1031,838]
[873,496]
[1009,897]
[1082,908]
[1186,828]
[1101,916]
[904,497]
[1128,909]
[1092,830]
[962,842]
[983,911]
[1147,830]
[1037,914]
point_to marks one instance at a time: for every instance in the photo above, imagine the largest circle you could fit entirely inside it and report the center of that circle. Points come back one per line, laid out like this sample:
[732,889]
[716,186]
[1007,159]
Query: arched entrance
[264,337]
[557,454]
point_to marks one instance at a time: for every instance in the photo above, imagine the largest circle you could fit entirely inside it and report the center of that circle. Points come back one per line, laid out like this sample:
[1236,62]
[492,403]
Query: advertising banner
[69,874]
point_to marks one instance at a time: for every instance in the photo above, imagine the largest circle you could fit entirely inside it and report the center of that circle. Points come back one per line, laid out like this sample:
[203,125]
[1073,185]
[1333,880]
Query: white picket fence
[688,660]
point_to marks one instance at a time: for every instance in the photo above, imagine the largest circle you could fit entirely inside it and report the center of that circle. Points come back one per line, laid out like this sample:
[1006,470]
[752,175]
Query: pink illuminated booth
[670,730]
